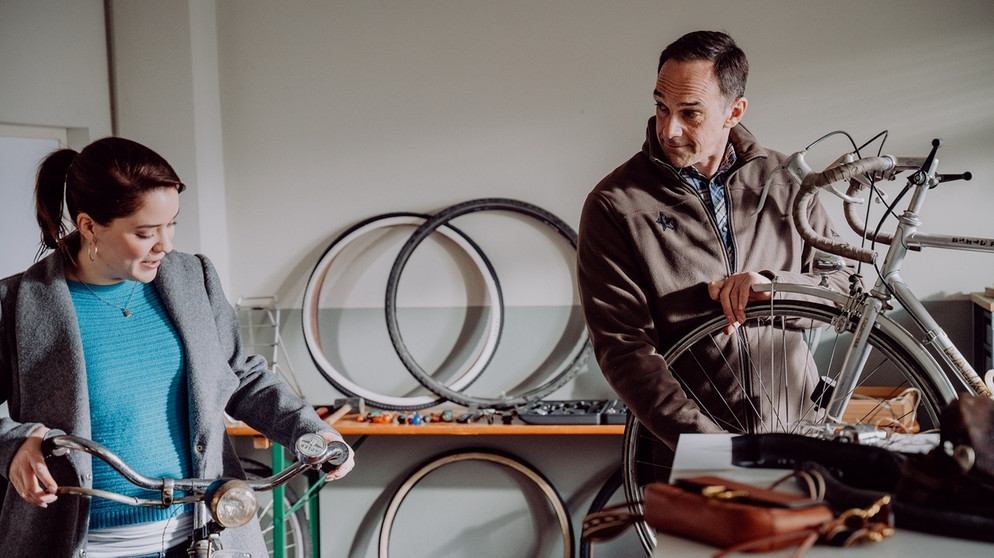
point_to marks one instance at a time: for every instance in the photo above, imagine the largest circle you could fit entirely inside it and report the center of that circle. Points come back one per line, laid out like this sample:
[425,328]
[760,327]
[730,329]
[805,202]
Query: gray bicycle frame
[890,284]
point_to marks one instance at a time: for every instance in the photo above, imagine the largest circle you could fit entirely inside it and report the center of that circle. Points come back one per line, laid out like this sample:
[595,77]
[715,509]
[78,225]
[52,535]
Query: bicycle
[218,504]
[875,374]
[297,539]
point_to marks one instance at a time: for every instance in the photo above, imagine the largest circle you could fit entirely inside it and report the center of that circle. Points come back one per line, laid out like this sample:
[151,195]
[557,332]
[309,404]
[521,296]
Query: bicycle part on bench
[578,411]
[614,412]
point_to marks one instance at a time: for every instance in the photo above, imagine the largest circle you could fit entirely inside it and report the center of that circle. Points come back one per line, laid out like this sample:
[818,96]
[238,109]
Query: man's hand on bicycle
[29,474]
[734,292]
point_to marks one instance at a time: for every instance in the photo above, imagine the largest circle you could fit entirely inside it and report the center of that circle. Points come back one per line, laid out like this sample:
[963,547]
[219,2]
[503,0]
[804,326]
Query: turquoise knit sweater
[137,381]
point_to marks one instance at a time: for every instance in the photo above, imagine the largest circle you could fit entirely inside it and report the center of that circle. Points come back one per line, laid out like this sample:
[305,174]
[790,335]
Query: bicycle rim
[529,472]
[566,371]
[759,363]
[611,485]
[337,378]
[297,531]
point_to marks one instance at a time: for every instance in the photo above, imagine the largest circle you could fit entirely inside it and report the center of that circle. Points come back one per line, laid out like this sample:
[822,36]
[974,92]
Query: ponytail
[49,196]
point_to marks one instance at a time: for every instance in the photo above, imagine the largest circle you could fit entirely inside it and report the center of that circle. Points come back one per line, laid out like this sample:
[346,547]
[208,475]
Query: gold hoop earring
[91,251]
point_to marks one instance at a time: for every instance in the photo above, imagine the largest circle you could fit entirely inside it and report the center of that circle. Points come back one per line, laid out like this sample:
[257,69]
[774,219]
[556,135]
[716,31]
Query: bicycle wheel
[297,530]
[611,485]
[529,472]
[567,369]
[755,355]
[412,401]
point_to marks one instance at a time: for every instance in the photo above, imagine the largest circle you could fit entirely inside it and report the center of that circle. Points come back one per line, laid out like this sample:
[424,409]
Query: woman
[117,338]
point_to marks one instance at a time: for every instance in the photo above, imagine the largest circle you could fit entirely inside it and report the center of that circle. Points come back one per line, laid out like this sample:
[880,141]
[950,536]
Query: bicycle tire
[297,534]
[571,365]
[315,282]
[554,498]
[895,352]
[611,485]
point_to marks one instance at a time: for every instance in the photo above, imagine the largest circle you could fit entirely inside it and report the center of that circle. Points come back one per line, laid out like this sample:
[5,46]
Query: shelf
[349,426]
[985,302]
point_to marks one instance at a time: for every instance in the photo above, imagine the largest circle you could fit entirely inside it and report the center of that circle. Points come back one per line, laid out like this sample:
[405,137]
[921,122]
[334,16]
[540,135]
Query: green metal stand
[315,480]
[279,514]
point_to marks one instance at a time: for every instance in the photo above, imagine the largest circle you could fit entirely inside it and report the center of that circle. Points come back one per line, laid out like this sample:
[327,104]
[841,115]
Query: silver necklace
[124,309]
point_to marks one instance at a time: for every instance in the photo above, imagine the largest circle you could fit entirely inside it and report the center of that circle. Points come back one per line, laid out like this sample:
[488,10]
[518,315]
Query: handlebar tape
[809,188]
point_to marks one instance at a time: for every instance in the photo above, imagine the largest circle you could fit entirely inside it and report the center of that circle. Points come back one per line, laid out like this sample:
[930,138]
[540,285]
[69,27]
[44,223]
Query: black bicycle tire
[637,435]
[443,217]
[554,498]
[299,524]
[612,483]
[381,401]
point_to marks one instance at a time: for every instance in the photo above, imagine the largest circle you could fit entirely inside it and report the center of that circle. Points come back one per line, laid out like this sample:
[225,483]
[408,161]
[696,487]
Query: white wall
[53,63]
[330,112]
[54,90]
[18,165]
[337,111]
[165,72]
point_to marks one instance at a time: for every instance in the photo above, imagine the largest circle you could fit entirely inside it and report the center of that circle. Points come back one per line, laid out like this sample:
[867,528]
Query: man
[672,231]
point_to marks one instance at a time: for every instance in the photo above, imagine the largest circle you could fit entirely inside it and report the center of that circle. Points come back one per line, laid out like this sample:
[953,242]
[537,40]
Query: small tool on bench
[345,406]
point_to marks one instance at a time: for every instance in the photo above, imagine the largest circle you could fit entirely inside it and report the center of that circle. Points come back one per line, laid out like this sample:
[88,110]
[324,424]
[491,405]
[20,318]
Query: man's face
[693,118]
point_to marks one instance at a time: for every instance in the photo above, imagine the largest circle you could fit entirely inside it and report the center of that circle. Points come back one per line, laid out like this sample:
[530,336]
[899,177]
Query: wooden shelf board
[983,301]
[349,426]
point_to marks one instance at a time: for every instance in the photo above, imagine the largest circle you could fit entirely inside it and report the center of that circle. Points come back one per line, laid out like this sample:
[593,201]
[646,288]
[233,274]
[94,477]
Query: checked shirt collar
[713,193]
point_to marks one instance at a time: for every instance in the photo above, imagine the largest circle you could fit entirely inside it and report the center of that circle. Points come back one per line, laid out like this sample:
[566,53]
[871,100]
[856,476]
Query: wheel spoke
[761,379]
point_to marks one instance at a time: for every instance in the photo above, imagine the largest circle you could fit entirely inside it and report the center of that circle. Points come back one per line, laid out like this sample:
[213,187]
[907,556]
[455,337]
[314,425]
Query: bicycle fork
[207,540]
[859,350]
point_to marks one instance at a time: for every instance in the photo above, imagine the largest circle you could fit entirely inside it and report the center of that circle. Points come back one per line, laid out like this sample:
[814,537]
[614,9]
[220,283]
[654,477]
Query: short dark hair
[730,64]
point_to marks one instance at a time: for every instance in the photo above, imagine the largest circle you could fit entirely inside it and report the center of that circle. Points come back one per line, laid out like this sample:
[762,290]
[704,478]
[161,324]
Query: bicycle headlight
[232,502]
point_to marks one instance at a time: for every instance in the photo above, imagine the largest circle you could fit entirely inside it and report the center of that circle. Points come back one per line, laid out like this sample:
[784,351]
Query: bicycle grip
[338,453]
[49,448]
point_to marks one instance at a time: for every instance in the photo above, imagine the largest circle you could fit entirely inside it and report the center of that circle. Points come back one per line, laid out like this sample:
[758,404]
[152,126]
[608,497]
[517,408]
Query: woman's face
[131,247]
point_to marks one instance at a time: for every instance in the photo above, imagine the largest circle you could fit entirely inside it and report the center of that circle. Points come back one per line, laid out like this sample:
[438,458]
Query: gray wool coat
[43,381]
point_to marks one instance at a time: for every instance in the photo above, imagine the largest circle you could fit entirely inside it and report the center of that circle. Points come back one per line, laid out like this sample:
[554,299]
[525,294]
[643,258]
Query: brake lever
[862,179]
[795,165]
[798,168]
[48,447]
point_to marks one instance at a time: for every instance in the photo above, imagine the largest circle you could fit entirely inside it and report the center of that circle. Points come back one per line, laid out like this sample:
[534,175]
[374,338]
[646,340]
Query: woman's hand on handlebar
[29,474]
[344,468]
[734,292]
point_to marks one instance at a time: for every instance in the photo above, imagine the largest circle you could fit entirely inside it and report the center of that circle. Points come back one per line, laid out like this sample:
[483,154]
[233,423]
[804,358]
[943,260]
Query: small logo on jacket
[666,222]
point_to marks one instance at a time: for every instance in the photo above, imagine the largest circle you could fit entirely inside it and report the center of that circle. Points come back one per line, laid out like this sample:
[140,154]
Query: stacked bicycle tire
[454,389]
[451,389]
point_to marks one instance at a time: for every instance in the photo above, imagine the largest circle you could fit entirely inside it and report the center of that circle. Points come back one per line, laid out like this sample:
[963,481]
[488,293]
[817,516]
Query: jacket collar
[747,148]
